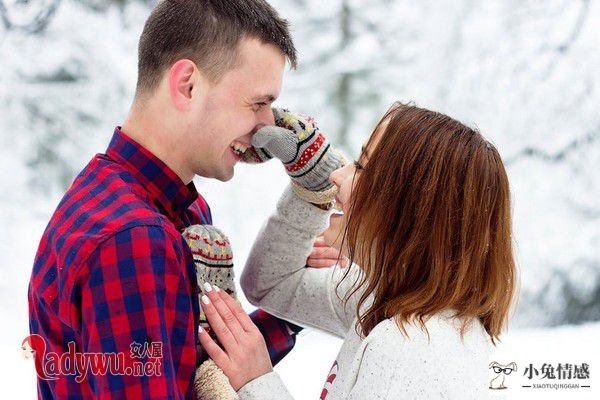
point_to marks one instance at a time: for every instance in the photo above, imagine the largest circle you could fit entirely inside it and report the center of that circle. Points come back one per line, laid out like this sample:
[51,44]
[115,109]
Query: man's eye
[358,165]
[258,106]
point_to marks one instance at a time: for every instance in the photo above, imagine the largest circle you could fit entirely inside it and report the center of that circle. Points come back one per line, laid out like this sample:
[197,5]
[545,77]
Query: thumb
[266,134]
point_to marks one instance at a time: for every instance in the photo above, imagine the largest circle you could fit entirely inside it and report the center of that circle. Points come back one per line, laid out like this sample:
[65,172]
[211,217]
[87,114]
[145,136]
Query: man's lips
[235,155]
[248,144]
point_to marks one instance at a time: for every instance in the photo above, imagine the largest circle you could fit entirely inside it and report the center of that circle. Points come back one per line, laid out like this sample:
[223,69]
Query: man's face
[232,110]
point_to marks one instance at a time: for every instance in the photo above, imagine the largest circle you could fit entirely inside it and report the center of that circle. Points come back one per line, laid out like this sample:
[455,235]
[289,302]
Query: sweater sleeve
[376,376]
[276,278]
[266,387]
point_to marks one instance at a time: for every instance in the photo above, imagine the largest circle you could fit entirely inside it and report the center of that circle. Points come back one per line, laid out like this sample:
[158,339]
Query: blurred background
[524,72]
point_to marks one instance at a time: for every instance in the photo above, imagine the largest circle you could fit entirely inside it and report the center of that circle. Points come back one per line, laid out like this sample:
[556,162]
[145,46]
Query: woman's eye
[358,165]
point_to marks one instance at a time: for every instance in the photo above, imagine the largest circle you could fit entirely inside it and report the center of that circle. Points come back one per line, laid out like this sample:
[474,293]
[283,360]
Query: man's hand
[244,356]
[323,256]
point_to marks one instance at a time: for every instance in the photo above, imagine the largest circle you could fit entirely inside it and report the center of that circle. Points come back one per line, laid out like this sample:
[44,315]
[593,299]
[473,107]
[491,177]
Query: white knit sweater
[385,364]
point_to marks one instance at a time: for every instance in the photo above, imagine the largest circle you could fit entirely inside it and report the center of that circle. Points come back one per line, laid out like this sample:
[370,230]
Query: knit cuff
[266,387]
[323,197]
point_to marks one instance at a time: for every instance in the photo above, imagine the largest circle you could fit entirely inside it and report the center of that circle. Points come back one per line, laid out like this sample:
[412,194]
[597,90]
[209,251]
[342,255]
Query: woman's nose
[334,177]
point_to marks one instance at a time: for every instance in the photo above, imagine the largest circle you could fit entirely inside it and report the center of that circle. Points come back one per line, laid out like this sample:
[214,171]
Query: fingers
[327,262]
[237,310]
[320,242]
[343,262]
[225,312]
[325,252]
[217,323]
[213,350]
[244,356]
[323,256]
[320,263]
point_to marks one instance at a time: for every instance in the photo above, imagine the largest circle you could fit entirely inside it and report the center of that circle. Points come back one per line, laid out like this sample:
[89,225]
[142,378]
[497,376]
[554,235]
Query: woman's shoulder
[443,331]
[417,364]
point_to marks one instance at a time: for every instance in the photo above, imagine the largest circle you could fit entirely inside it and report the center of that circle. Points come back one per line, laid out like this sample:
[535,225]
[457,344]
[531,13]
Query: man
[112,273]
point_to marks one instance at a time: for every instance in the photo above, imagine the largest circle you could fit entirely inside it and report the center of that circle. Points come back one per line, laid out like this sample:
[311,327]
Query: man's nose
[265,116]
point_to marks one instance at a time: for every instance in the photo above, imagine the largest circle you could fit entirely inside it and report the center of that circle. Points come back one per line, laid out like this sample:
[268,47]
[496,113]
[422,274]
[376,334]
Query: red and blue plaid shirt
[113,275]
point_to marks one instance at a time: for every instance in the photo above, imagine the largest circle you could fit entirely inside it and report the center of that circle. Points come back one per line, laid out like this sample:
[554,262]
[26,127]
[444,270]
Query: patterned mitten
[306,153]
[214,264]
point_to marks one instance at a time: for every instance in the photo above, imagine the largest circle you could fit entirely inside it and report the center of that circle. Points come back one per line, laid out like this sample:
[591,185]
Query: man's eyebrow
[265,97]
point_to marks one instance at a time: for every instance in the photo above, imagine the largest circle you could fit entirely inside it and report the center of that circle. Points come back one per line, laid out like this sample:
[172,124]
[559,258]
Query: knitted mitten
[214,264]
[306,153]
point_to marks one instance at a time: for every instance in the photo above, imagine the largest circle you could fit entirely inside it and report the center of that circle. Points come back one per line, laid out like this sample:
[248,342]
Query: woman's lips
[338,205]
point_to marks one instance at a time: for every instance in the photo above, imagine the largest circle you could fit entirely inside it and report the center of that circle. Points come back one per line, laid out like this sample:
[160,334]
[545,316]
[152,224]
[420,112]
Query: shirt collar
[161,182]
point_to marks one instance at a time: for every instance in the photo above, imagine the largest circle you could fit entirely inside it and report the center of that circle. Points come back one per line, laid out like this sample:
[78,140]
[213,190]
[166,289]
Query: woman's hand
[324,256]
[244,356]
[308,156]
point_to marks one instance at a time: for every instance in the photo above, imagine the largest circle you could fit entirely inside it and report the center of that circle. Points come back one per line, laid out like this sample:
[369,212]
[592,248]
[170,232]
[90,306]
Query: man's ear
[182,79]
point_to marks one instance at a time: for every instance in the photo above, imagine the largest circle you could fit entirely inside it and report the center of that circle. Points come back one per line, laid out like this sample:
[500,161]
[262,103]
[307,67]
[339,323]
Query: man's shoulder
[104,200]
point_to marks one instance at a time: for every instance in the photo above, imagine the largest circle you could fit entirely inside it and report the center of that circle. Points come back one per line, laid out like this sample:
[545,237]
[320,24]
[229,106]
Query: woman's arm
[276,278]
[433,364]
[244,359]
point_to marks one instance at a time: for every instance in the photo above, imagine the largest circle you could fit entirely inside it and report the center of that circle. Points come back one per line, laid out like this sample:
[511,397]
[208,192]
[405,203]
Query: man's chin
[225,176]
[220,175]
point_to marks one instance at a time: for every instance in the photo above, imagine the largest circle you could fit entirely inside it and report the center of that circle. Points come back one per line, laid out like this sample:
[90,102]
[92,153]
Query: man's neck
[152,134]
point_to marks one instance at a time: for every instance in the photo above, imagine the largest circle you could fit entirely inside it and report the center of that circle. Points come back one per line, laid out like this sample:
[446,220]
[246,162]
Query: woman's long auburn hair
[430,224]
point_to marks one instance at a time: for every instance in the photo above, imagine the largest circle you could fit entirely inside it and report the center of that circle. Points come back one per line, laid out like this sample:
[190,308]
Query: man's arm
[136,291]
[280,335]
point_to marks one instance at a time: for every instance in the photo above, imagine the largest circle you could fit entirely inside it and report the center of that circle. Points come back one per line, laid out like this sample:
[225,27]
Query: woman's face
[345,179]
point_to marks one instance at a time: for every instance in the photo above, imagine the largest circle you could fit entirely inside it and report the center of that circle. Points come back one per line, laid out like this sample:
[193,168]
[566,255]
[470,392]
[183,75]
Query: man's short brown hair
[208,33]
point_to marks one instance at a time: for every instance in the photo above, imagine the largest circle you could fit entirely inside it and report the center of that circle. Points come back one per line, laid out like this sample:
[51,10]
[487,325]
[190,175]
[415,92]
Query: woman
[427,223]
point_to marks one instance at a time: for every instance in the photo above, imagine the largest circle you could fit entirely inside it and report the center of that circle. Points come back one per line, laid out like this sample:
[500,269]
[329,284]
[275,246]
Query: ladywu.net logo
[143,359]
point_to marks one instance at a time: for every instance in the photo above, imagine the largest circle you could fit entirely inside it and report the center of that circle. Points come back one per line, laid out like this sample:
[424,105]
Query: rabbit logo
[501,372]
